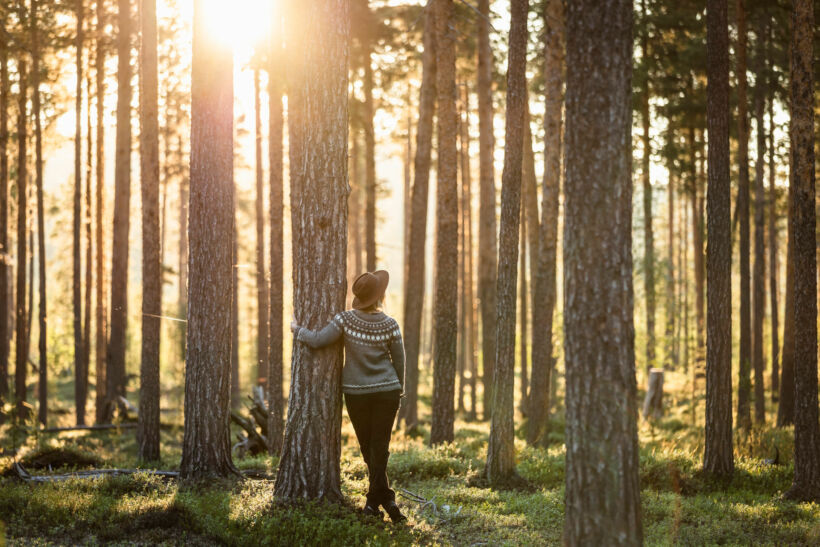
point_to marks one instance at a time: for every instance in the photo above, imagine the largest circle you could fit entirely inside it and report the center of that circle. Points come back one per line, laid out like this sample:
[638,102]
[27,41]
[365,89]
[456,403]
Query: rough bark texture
[5,262]
[80,369]
[806,484]
[148,424]
[414,287]
[544,283]
[648,237]
[276,403]
[718,458]
[744,388]
[602,486]
[318,130]
[773,259]
[262,332]
[501,447]
[370,162]
[100,380]
[122,198]
[21,334]
[206,448]
[446,279]
[487,236]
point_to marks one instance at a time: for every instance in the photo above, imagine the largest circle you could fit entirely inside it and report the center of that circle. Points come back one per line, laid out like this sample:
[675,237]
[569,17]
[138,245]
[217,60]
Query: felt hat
[369,288]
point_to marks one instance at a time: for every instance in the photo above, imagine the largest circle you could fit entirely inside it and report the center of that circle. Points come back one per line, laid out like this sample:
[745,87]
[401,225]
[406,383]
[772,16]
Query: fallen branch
[26,476]
[97,427]
[425,503]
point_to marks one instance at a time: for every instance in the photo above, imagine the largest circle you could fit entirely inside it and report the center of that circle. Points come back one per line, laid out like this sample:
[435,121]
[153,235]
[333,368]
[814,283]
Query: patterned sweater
[374,353]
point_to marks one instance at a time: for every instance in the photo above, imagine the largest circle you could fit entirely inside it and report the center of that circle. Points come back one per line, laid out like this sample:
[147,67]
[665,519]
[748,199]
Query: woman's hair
[375,306]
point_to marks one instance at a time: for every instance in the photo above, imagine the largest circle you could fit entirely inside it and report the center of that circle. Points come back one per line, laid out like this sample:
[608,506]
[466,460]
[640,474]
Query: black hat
[369,288]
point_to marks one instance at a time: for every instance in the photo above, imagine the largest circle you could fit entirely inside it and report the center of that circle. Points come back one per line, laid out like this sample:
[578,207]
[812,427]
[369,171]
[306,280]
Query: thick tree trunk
[276,403]
[806,484]
[317,38]
[544,283]
[100,379]
[648,238]
[206,447]
[80,370]
[446,280]
[122,197]
[261,282]
[601,431]
[744,387]
[773,258]
[501,447]
[148,424]
[487,234]
[5,261]
[21,335]
[414,288]
[718,458]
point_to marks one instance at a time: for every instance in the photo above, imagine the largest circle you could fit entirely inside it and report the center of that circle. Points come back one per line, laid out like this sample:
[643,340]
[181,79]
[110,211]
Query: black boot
[372,511]
[394,511]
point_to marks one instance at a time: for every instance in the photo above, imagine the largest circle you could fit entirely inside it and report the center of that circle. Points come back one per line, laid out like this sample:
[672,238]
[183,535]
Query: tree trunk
[122,197]
[148,425]
[773,259]
[671,342]
[87,219]
[317,105]
[370,159]
[261,281]
[206,447]
[80,371]
[544,282]
[601,431]
[649,240]
[446,289]
[414,287]
[469,278]
[785,407]
[276,404]
[236,395]
[5,262]
[718,458]
[182,298]
[461,358]
[487,235]
[806,484]
[759,267]
[744,419]
[501,447]
[522,295]
[529,212]
[100,379]
[21,336]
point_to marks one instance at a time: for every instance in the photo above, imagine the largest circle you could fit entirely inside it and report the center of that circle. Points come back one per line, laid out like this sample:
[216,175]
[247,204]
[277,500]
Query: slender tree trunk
[5,262]
[21,336]
[773,259]
[461,358]
[101,324]
[206,446]
[744,419]
[806,484]
[446,289]
[469,278]
[601,430]
[671,350]
[354,200]
[529,212]
[649,239]
[785,407]
[122,197]
[148,424]
[370,161]
[487,235]
[80,371]
[544,282]
[522,295]
[183,257]
[87,217]
[718,458]
[414,288]
[236,395]
[501,448]
[699,256]
[276,403]
[261,281]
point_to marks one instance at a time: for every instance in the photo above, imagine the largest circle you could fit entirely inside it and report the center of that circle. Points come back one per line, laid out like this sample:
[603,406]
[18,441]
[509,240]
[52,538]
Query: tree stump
[653,403]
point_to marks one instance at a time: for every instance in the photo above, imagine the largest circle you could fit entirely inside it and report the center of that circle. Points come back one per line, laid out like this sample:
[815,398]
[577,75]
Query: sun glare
[241,24]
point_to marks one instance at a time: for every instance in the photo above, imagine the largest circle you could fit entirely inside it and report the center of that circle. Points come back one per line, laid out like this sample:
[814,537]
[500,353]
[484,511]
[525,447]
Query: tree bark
[522,296]
[773,259]
[87,217]
[468,278]
[487,235]
[718,458]
[671,342]
[21,335]
[446,289]
[369,155]
[785,407]
[699,255]
[806,484]
[649,239]
[80,371]
[414,288]
[5,261]
[100,379]
[122,197]
[601,431]
[501,447]
[148,424]
[529,212]
[206,448]
[544,282]
[261,282]
[318,131]
[236,395]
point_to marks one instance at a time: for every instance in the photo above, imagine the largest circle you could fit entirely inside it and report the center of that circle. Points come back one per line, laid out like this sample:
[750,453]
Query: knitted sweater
[374,353]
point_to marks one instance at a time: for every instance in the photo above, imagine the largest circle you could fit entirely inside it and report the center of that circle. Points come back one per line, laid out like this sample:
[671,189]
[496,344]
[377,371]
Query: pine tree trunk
[317,105]
[522,297]
[718,458]
[236,395]
[276,403]
[773,258]
[148,424]
[671,343]
[759,267]
[461,358]
[87,217]
[744,419]
[601,431]
[182,298]
[5,262]
[100,379]
[21,336]
[649,240]
[80,371]
[369,151]
[261,282]
[487,234]
[529,212]
[414,287]
[544,281]
[469,279]
[206,447]
[785,407]
[122,197]
[446,280]
[806,484]
[42,383]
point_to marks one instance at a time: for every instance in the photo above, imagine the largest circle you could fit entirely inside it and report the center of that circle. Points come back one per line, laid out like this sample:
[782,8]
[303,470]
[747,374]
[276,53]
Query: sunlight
[241,24]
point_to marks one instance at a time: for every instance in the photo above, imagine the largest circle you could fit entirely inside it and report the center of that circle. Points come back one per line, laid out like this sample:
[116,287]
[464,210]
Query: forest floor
[679,506]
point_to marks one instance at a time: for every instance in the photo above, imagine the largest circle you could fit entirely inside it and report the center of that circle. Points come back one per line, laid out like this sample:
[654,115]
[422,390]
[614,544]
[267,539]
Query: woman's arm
[397,355]
[321,338]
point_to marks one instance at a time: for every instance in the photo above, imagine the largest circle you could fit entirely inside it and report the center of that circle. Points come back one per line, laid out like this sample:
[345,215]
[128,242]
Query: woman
[372,379]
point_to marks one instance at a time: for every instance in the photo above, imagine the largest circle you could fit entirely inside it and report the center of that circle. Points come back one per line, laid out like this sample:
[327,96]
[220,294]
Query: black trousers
[373,415]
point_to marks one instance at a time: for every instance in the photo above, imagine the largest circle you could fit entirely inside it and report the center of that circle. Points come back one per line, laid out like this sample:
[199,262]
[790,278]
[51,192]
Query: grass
[679,505]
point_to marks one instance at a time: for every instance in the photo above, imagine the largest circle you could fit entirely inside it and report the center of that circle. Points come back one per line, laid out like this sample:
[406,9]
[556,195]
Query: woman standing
[372,379]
